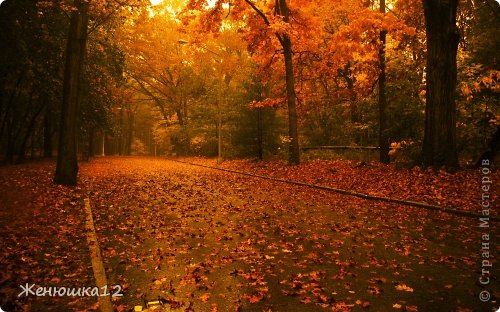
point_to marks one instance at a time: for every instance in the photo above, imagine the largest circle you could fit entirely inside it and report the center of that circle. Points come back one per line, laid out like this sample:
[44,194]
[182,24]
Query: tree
[67,163]
[478,105]
[439,146]
[73,87]
[382,100]
[282,11]
[29,75]
[159,68]
[274,19]
[337,77]
[284,39]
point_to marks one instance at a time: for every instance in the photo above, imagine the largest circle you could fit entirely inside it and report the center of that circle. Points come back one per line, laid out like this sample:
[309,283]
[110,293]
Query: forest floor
[207,240]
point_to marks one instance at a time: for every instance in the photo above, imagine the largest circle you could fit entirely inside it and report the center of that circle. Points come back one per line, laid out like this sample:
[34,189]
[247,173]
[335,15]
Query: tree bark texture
[439,146]
[67,163]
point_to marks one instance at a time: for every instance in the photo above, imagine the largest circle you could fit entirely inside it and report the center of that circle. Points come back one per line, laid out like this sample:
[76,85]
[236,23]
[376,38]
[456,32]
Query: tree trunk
[294,151]
[260,134]
[281,10]
[29,131]
[103,150]
[9,152]
[32,144]
[130,131]
[67,163]
[47,134]
[91,142]
[439,146]
[219,134]
[120,133]
[382,100]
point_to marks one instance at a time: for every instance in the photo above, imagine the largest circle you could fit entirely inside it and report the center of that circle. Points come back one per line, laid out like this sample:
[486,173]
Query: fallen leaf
[411,308]
[204,297]
[403,287]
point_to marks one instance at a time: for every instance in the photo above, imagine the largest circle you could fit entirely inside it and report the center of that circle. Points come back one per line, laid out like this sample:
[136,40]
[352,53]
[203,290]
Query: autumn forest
[247,155]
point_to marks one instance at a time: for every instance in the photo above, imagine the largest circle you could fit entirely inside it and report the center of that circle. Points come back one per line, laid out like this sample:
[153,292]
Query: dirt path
[214,241]
[205,240]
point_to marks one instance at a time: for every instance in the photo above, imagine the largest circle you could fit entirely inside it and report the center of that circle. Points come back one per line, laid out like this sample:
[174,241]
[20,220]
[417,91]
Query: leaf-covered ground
[460,190]
[207,240]
[42,239]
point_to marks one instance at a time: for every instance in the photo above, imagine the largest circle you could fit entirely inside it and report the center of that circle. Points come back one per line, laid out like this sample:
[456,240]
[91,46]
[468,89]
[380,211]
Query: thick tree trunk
[67,163]
[439,146]
[382,99]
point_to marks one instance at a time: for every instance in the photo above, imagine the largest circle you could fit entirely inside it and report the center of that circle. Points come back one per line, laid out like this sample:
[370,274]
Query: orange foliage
[336,40]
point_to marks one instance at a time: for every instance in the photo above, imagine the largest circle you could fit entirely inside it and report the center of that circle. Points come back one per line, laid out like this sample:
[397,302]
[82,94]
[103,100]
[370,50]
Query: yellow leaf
[403,287]
[205,297]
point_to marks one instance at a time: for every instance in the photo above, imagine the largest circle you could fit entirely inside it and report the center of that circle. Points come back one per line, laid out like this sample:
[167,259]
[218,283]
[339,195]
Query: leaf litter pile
[458,190]
[42,239]
[197,239]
